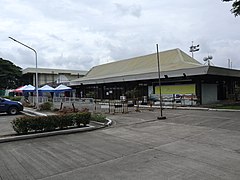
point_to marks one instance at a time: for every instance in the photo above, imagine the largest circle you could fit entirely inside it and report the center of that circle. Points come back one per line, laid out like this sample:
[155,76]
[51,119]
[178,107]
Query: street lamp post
[37,104]
[159,83]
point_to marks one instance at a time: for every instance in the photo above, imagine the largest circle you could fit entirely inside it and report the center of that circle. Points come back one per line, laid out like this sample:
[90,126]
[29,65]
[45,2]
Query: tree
[236,7]
[10,75]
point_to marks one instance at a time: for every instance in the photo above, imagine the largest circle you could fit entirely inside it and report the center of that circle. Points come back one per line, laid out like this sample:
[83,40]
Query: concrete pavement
[187,145]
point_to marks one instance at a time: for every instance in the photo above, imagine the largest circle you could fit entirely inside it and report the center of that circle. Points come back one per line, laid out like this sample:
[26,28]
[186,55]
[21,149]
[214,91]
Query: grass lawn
[229,107]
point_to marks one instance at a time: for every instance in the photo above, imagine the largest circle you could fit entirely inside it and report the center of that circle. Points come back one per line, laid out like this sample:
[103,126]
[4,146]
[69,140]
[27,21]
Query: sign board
[177,89]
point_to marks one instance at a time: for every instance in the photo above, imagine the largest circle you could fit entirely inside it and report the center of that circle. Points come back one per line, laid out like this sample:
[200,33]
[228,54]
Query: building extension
[51,76]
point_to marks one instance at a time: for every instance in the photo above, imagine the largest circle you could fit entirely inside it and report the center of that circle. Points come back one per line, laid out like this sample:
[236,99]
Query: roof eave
[202,70]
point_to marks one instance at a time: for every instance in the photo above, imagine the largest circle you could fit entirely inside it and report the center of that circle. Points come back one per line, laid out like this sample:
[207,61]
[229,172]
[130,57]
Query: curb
[46,134]
[108,123]
[54,133]
[194,108]
[28,111]
[226,110]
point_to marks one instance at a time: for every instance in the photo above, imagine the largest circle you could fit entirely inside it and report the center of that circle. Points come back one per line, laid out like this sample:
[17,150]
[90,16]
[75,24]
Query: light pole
[194,48]
[159,83]
[37,104]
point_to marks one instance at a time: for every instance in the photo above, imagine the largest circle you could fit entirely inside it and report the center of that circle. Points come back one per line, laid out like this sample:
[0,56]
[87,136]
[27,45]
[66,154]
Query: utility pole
[159,83]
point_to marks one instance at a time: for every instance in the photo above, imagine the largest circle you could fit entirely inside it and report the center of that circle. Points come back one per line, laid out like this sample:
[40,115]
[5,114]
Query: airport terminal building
[181,77]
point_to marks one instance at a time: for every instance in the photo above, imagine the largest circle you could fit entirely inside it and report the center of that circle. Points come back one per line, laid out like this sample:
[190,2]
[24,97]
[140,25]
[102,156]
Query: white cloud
[133,10]
[80,34]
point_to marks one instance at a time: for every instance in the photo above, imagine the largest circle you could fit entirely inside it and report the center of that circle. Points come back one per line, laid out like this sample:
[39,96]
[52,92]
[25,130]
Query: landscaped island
[28,124]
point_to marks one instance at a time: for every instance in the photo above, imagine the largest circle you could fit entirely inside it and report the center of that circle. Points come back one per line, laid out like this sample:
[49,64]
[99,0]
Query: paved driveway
[5,123]
[187,145]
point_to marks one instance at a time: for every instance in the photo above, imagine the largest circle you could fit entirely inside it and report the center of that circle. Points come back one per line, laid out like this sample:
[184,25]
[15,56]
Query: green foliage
[235,7]
[25,125]
[46,106]
[10,75]
[82,118]
[132,93]
[90,94]
[13,98]
[230,105]
[21,125]
[36,124]
[51,122]
[65,120]
[99,118]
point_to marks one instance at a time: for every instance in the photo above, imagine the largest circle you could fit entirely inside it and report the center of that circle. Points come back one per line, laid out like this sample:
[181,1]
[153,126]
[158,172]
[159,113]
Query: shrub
[99,118]
[51,123]
[65,120]
[82,118]
[21,125]
[46,106]
[67,110]
[84,110]
[36,124]
[24,125]
[14,98]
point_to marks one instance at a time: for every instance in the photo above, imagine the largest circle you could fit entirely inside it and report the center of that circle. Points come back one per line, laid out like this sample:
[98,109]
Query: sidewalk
[34,112]
[189,108]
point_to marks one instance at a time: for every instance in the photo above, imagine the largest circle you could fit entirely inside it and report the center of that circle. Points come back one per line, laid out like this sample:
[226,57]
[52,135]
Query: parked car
[11,107]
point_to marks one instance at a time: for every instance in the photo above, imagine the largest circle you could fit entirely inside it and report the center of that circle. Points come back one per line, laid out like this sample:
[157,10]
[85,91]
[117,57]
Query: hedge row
[25,125]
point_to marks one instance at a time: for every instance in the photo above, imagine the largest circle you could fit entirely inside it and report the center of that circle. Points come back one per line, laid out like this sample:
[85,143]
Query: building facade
[181,77]
[51,76]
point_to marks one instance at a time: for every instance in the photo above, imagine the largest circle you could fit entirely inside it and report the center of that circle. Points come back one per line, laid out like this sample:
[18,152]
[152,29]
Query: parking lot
[5,125]
[189,144]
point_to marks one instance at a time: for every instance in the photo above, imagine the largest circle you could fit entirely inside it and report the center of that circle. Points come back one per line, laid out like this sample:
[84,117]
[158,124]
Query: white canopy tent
[62,88]
[28,88]
[46,88]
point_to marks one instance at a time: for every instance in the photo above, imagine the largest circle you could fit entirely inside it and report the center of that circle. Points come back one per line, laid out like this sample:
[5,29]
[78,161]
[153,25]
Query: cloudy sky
[80,34]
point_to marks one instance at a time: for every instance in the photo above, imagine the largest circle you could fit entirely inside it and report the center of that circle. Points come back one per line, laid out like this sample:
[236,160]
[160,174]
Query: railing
[73,99]
[32,99]
[114,106]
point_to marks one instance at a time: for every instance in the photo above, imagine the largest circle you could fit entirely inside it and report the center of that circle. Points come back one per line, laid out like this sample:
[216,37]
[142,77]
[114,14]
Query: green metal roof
[169,60]
[174,63]
[53,71]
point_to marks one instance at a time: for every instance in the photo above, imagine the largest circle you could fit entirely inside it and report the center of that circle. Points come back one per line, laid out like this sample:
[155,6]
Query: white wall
[209,93]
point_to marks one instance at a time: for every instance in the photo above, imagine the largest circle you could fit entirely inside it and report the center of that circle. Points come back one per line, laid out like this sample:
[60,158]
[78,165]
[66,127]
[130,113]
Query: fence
[72,102]
[111,106]
[114,106]
[94,105]
[32,99]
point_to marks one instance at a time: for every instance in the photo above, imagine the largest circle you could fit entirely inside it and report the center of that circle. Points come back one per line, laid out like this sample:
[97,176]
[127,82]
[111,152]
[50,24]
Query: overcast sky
[80,34]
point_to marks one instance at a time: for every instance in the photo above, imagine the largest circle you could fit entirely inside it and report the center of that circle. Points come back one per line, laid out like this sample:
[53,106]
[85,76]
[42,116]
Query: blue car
[10,107]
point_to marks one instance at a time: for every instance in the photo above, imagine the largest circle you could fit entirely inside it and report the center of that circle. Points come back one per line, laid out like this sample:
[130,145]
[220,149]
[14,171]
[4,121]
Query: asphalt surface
[5,120]
[5,123]
[189,144]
